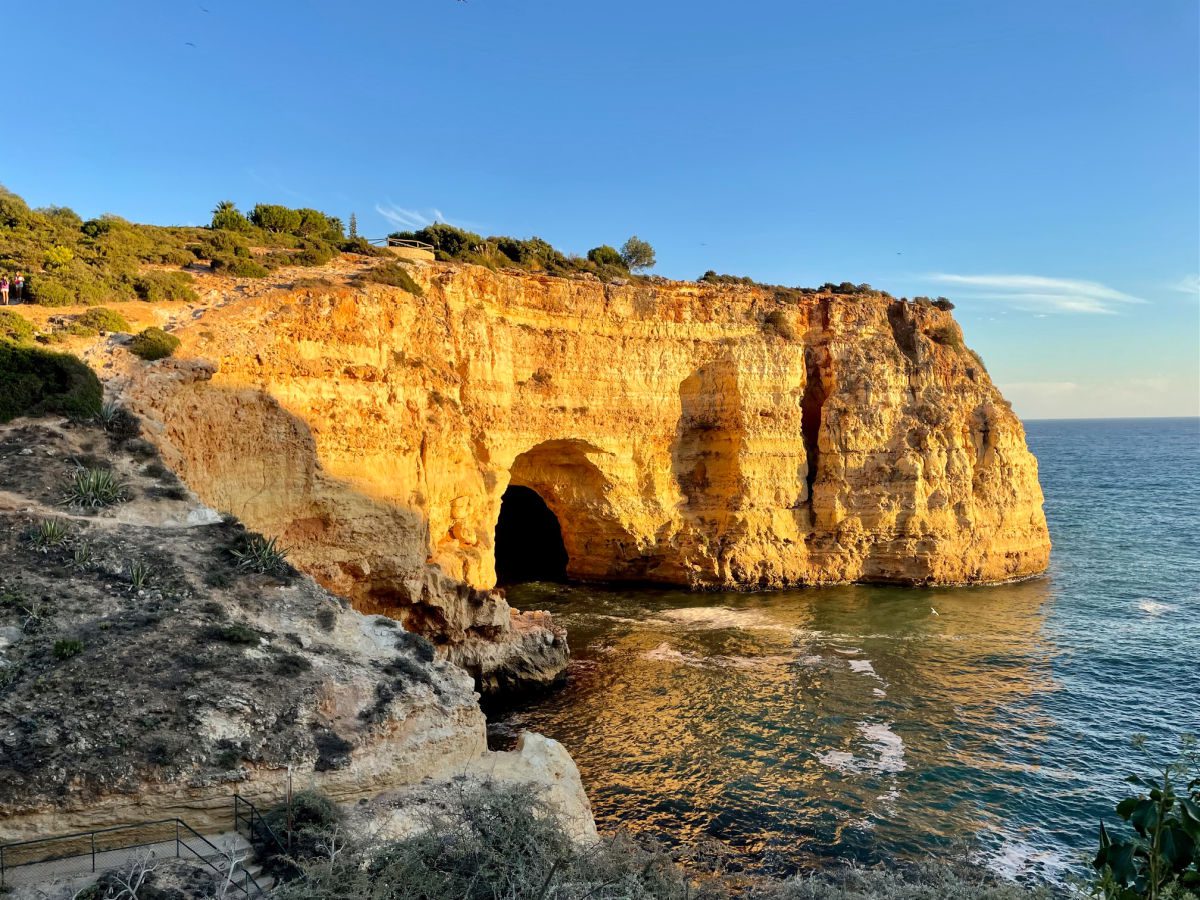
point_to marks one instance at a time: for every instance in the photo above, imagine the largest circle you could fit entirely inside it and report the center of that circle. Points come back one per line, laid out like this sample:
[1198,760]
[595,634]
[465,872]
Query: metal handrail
[248,880]
[90,836]
[403,242]
[253,817]
[181,843]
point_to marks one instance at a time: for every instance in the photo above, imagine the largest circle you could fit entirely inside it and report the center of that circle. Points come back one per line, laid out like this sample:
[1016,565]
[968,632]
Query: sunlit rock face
[682,433]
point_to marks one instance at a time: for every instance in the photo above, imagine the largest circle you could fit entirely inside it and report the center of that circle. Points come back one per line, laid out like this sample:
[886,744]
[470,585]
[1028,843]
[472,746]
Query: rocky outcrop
[128,699]
[693,434]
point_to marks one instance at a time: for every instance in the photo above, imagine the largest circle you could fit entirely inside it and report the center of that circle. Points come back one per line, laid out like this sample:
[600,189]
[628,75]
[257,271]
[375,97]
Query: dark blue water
[856,723]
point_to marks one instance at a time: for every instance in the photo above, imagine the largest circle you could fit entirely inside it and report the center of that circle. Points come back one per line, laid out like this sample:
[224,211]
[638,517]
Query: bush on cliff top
[392,273]
[98,318]
[154,343]
[165,286]
[15,327]
[35,381]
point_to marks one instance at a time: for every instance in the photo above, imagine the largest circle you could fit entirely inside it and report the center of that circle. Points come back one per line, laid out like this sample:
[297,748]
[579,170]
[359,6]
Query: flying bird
[190,44]
[934,611]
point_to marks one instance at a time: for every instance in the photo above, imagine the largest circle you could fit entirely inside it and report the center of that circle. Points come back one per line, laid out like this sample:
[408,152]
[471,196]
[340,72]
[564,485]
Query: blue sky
[1039,163]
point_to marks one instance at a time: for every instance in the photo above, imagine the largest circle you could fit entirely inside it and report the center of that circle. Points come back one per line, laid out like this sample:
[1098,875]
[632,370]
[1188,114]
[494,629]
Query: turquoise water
[855,723]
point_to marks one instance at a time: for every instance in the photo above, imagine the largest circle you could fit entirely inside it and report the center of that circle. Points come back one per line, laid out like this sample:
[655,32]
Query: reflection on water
[850,721]
[874,723]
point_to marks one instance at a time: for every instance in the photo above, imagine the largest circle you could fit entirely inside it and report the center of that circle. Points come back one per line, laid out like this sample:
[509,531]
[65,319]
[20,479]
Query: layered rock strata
[711,436]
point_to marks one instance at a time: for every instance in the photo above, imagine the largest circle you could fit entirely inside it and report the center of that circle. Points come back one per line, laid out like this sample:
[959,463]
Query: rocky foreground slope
[143,674]
[715,436]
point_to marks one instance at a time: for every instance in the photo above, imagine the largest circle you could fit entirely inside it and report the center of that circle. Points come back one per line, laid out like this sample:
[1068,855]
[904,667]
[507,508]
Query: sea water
[879,724]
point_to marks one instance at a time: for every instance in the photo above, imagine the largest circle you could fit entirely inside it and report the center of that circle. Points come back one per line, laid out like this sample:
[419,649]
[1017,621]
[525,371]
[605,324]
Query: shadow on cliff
[241,452]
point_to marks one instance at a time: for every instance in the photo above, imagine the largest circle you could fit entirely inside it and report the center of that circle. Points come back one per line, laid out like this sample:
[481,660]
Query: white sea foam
[716,617]
[1015,858]
[664,652]
[1154,607]
[862,667]
[841,760]
[848,651]
[879,692]
[887,744]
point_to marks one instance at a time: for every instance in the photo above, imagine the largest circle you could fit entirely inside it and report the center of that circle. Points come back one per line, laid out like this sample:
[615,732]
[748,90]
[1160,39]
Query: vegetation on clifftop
[531,254]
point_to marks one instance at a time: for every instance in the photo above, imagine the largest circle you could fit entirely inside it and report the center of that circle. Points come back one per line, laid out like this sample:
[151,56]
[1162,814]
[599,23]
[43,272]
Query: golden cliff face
[710,436]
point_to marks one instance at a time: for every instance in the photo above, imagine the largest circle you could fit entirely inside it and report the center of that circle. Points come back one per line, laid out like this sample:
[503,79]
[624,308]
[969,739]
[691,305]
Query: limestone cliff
[683,433]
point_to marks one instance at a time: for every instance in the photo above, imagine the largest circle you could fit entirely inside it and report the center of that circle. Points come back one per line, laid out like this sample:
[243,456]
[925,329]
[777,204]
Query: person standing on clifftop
[4,288]
[18,287]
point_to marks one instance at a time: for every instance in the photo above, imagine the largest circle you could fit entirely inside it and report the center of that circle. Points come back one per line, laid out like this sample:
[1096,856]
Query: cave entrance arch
[564,477]
[529,541]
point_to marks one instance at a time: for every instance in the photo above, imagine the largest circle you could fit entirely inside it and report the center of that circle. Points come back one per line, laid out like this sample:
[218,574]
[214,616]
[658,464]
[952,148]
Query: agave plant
[260,554]
[94,488]
[49,534]
[139,574]
[110,412]
[81,556]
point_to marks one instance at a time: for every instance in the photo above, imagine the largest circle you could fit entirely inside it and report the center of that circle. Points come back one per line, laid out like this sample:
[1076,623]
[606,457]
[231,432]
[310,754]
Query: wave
[1154,607]
[886,744]
[664,652]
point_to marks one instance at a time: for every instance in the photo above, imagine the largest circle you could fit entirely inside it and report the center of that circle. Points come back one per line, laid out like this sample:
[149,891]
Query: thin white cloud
[1037,293]
[1188,284]
[411,219]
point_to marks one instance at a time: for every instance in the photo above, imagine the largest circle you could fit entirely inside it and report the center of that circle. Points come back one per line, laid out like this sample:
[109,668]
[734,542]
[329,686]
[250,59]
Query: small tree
[353,226]
[226,215]
[272,217]
[605,255]
[637,254]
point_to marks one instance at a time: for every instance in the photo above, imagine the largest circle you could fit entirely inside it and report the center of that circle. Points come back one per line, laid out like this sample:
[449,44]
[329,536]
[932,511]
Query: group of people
[16,286]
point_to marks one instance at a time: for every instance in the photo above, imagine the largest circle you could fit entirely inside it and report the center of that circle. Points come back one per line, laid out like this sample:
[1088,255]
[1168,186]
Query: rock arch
[565,476]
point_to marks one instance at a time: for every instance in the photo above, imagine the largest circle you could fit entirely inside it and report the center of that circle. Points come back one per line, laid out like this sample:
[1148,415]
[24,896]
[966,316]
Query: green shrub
[312,817]
[154,343]
[777,322]
[446,239]
[164,286]
[362,247]
[1160,855]
[605,255]
[226,216]
[101,319]
[395,274]
[238,267]
[943,303]
[65,649]
[35,381]
[15,327]
[314,254]
[236,634]
[946,335]
[46,292]
[94,488]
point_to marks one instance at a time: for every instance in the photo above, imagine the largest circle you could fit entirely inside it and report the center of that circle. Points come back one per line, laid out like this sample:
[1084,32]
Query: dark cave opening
[810,416]
[529,544]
